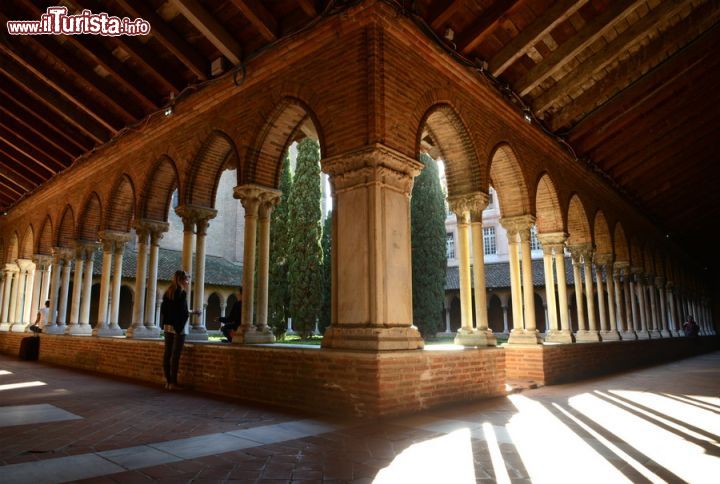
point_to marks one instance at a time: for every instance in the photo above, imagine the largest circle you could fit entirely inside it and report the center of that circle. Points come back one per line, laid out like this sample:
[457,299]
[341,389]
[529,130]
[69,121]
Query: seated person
[231,322]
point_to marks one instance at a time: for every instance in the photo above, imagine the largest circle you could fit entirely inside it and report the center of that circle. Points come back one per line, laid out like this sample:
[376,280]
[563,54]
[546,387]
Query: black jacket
[235,315]
[175,311]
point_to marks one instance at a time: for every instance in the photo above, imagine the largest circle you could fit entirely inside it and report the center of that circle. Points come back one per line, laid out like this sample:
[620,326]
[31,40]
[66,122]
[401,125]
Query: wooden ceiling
[631,85]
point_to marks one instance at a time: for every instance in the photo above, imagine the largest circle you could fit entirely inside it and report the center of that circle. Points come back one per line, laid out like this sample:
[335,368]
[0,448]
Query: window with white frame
[534,242]
[489,242]
[450,245]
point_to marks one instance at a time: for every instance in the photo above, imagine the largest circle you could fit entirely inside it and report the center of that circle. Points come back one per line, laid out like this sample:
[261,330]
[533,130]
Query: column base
[524,337]
[475,337]
[108,331]
[55,329]
[78,330]
[665,333]
[19,327]
[5,326]
[609,336]
[253,335]
[587,336]
[559,336]
[655,334]
[373,338]
[628,335]
[143,332]
[643,334]
[197,333]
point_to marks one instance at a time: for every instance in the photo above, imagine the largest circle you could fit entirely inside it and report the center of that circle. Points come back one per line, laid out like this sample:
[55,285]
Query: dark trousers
[171,358]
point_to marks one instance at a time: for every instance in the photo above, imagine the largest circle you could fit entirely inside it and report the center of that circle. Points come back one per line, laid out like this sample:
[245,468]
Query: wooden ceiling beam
[647,57]
[141,54]
[29,152]
[36,131]
[123,76]
[57,103]
[308,6]
[210,28]
[21,102]
[481,27]
[441,17]
[166,36]
[14,181]
[560,57]
[21,161]
[531,35]
[60,161]
[259,16]
[608,54]
[6,185]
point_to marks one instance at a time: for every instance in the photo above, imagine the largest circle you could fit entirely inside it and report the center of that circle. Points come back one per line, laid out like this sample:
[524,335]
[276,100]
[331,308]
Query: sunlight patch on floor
[498,463]
[5,372]
[25,384]
[443,459]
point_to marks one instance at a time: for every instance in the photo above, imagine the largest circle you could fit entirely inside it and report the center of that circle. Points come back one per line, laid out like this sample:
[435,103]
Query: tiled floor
[652,425]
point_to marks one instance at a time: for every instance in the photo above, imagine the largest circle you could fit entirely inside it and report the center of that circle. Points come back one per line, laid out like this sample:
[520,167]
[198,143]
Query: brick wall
[360,384]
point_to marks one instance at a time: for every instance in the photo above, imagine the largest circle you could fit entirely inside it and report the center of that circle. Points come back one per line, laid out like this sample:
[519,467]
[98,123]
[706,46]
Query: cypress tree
[429,257]
[325,315]
[279,295]
[305,255]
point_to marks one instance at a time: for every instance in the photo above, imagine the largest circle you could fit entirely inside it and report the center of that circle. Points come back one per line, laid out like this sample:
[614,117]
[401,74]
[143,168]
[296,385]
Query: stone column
[643,333]
[83,326]
[57,269]
[198,332]
[520,227]
[372,283]
[654,309]
[41,264]
[515,284]
[19,294]
[268,200]
[600,294]
[468,209]
[119,250]
[137,328]
[673,327]
[102,319]
[576,257]
[45,287]
[3,277]
[64,292]
[620,320]
[25,298]
[223,308]
[630,307]
[551,326]
[152,329]
[662,317]
[13,273]
[74,317]
[592,335]
[447,317]
[609,328]
[6,289]
[554,255]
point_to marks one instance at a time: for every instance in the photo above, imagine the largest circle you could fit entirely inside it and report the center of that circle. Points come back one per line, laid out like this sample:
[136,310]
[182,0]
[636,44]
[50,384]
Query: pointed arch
[2,250]
[509,182]
[601,231]
[622,251]
[636,257]
[290,120]
[66,229]
[547,207]
[442,128]
[13,250]
[28,243]
[90,218]
[207,166]
[578,224]
[44,241]
[649,260]
[157,192]
[120,209]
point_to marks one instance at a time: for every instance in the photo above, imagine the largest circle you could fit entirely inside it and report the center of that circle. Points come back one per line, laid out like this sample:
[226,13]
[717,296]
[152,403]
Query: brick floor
[660,423]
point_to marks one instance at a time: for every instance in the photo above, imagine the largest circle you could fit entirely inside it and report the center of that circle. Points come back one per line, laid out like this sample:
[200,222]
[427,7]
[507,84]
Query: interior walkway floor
[655,424]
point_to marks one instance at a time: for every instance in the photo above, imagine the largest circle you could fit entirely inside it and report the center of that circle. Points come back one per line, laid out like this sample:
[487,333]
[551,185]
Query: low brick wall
[361,384]
[549,364]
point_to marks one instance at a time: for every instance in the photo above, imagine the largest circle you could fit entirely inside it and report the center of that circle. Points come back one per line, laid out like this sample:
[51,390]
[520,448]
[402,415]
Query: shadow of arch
[578,225]
[507,179]
[442,133]
[622,251]
[66,229]
[44,244]
[214,156]
[603,241]
[90,219]
[28,243]
[157,192]
[120,208]
[549,216]
[636,257]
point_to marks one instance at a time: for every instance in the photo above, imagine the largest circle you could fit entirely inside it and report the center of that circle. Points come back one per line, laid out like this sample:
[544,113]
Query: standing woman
[174,313]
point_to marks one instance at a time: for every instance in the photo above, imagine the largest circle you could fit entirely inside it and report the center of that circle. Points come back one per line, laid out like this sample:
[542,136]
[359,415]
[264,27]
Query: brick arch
[507,178]
[578,224]
[90,218]
[547,206]
[264,159]
[648,260]
[636,257]
[160,184]
[120,206]
[659,263]
[622,252]
[670,271]
[601,233]
[13,250]
[2,250]
[44,243]
[66,229]
[28,243]
[450,134]
[204,174]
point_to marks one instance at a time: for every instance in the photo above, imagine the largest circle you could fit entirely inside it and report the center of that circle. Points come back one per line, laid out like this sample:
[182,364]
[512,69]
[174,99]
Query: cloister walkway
[655,424]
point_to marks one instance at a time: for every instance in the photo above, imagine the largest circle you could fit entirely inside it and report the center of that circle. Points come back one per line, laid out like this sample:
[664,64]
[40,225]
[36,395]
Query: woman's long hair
[176,283]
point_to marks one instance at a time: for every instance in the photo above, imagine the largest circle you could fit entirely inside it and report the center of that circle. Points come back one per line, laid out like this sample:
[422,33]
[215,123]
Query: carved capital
[518,225]
[605,260]
[155,229]
[62,254]
[25,265]
[473,203]
[42,261]
[553,241]
[373,165]
[12,267]
[581,251]
[257,199]
[192,214]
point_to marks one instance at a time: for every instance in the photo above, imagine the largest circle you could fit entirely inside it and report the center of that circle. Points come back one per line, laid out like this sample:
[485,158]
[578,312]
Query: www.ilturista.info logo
[57,21]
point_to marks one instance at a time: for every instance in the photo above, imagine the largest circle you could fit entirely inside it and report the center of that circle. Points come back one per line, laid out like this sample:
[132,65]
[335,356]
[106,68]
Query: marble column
[269,199]
[576,257]
[523,306]
[654,309]
[620,321]
[643,333]
[198,332]
[662,316]
[13,283]
[42,269]
[83,326]
[554,262]
[372,287]
[55,283]
[152,327]
[64,292]
[118,252]
[103,300]
[74,317]
[6,289]
[630,307]
[608,326]
[19,305]
[137,328]
[673,328]
[592,335]
[45,287]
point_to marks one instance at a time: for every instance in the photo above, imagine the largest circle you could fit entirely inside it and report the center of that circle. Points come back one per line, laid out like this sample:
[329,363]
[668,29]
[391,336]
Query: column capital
[660,281]
[152,226]
[604,260]
[42,259]
[192,214]
[373,164]
[578,251]
[62,253]
[518,224]
[12,267]
[553,240]
[473,202]
[114,236]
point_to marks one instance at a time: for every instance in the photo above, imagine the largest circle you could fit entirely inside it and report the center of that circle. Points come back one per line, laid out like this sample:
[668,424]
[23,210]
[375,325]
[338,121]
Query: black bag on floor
[30,348]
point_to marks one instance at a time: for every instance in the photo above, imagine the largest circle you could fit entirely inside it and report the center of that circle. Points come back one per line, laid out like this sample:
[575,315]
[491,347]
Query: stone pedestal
[628,336]
[524,337]
[610,336]
[587,336]
[372,268]
[475,337]
[559,336]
